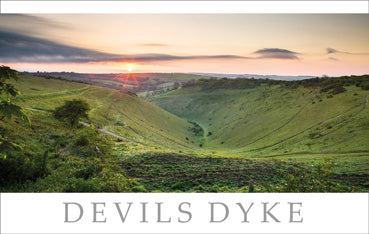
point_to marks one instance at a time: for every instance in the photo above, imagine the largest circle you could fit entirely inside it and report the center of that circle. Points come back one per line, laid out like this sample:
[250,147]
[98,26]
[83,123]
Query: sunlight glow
[129,66]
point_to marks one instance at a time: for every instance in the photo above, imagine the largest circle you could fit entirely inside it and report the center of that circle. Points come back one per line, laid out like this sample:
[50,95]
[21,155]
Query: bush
[83,175]
[196,129]
[113,179]
[89,169]
[88,143]
[315,177]
[338,90]
[365,85]
[19,167]
[72,111]
[80,185]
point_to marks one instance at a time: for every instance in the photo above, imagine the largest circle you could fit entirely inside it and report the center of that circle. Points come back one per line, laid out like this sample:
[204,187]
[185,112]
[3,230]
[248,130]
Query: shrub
[337,90]
[113,179]
[90,168]
[315,177]
[72,111]
[80,185]
[365,85]
[88,143]
[19,167]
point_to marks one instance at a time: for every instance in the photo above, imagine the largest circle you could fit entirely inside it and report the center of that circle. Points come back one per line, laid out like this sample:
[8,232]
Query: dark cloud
[276,53]
[29,24]
[21,48]
[332,51]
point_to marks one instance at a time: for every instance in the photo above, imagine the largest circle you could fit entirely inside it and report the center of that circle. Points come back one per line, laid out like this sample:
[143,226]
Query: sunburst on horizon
[124,77]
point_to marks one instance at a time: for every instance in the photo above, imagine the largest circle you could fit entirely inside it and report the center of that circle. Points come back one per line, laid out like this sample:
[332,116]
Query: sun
[130,67]
[125,77]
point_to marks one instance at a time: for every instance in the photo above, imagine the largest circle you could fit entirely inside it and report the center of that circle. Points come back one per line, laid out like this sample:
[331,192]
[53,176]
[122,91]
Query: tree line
[324,83]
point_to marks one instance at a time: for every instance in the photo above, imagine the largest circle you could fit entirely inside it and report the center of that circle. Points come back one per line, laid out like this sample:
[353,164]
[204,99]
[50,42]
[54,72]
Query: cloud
[21,48]
[152,45]
[333,59]
[28,24]
[16,47]
[276,53]
[334,51]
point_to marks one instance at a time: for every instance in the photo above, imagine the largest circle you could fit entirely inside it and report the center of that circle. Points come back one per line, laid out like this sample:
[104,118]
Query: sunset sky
[279,44]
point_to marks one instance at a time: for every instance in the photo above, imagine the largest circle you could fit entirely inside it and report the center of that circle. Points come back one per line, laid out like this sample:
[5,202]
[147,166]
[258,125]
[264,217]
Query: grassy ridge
[120,112]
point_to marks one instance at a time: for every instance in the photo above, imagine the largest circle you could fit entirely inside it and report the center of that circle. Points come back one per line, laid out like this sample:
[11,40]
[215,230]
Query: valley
[206,135]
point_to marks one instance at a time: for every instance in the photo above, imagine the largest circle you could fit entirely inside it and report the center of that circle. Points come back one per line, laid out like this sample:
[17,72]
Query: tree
[8,108]
[176,85]
[72,111]
[365,85]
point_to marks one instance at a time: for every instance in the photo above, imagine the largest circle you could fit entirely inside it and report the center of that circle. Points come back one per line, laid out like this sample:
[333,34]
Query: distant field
[143,83]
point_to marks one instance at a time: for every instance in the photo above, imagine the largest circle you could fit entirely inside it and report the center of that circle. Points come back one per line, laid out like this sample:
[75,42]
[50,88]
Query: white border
[351,209]
[173,7]
[323,213]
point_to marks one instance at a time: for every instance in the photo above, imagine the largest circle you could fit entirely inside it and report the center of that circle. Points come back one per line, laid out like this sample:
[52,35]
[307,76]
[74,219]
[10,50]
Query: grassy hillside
[300,123]
[122,113]
[253,120]
[50,156]
[265,137]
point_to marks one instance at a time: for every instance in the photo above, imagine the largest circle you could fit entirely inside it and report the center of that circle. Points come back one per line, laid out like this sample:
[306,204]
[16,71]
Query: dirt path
[88,125]
[38,110]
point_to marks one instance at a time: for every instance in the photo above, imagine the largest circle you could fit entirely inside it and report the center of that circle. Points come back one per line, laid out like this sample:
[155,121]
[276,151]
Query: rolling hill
[210,135]
[256,120]
[122,113]
[140,83]
[286,120]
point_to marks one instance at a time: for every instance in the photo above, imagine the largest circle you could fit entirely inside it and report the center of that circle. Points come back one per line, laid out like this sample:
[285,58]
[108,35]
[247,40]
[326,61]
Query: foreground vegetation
[267,136]
[182,173]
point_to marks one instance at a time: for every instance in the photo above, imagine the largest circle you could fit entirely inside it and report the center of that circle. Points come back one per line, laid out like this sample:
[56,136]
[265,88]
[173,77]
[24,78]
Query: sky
[265,44]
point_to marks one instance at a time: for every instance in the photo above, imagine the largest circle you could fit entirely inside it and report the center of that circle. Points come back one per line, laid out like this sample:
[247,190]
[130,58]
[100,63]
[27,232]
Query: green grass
[183,173]
[174,172]
[120,112]
[274,135]
[281,123]
[250,120]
